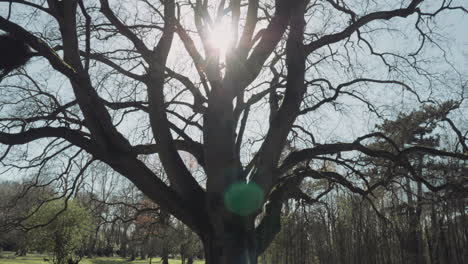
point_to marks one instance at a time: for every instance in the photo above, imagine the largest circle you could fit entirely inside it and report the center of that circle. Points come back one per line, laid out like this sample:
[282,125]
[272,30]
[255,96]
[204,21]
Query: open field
[9,258]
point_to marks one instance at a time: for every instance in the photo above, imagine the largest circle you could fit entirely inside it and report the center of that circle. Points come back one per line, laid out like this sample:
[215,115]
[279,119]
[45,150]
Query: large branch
[126,164]
[281,124]
[196,57]
[286,188]
[203,21]
[400,157]
[40,46]
[125,30]
[338,90]
[53,115]
[245,42]
[75,137]
[270,224]
[381,15]
[198,97]
[180,177]
[97,118]
[462,139]
[101,58]
[268,42]
[165,196]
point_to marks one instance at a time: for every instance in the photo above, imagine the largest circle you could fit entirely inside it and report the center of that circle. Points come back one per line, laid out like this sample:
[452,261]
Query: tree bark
[182,257]
[230,247]
[165,257]
[190,260]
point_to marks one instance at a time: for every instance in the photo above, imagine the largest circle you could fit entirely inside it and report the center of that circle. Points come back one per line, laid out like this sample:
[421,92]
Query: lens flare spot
[243,198]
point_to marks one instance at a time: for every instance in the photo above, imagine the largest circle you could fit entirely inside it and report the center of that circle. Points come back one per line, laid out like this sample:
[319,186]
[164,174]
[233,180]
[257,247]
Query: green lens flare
[243,198]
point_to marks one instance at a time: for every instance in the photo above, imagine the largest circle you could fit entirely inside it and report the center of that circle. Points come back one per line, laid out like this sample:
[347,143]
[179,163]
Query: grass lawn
[9,258]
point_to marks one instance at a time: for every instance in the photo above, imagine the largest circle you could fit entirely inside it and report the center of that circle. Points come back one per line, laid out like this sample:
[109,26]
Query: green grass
[10,258]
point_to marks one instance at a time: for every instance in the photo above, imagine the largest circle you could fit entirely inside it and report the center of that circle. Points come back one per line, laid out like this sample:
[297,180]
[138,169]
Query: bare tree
[130,80]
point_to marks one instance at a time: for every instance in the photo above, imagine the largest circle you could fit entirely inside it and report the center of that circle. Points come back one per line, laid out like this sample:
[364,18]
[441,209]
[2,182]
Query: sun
[221,37]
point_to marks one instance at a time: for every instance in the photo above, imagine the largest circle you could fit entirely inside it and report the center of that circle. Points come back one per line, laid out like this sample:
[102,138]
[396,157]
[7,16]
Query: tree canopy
[60,229]
[231,93]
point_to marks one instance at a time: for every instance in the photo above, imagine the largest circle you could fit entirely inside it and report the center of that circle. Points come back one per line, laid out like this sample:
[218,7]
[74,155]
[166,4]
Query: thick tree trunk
[182,257]
[190,260]
[230,248]
[165,256]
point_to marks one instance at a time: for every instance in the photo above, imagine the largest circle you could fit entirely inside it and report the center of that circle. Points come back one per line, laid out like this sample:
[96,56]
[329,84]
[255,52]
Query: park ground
[10,258]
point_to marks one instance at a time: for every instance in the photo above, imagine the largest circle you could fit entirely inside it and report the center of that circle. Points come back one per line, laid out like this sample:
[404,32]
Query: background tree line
[122,221]
[401,222]
[346,229]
